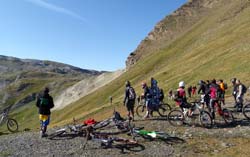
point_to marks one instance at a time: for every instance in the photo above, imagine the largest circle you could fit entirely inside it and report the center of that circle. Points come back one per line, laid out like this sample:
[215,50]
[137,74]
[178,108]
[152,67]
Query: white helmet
[182,84]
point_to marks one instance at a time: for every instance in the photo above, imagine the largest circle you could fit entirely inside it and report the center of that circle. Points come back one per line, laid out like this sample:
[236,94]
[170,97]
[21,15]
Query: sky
[90,34]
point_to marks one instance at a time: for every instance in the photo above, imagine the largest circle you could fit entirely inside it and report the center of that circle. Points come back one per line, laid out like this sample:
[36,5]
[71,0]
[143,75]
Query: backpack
[132,94]
[214,92]
[244,89]
[44,102]
[225,86]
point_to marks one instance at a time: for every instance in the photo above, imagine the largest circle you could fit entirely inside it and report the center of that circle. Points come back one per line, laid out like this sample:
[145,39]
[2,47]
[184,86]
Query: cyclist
[240,91]
[180,98]
[129,99]
[203,91]
[44,103]
[147,98]
[214,94]
[161,98]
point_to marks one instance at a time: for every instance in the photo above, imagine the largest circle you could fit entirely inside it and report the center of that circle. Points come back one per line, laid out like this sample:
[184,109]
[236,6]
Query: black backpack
[244,89]
[132,94]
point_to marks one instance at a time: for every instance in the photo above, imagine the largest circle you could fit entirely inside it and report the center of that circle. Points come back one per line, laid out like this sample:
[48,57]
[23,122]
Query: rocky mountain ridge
[172,27]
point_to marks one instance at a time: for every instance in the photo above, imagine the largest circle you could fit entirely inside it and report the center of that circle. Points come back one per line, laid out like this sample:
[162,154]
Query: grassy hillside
[217,46]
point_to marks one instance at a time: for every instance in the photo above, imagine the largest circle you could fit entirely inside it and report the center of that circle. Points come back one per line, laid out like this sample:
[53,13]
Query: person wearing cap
[44,104]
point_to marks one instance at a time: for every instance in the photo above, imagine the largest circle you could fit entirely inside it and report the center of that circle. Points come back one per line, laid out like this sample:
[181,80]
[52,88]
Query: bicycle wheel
[12,125]
[176,117]
[58,133]
[246,111]
[164,110]
[205,119]
[141,110]
[228,116]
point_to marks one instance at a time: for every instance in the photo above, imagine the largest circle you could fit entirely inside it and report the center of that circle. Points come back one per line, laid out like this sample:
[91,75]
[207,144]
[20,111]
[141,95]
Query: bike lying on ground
[80,129]
[162,109]
[108,141]
[70,130]
[12,124]
[178,117]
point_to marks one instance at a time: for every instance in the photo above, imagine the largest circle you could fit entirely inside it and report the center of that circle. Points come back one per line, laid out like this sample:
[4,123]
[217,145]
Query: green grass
[217,46]
[210,49]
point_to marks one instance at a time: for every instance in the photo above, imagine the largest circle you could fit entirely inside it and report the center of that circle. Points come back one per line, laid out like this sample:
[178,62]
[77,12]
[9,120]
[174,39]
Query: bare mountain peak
[173,26]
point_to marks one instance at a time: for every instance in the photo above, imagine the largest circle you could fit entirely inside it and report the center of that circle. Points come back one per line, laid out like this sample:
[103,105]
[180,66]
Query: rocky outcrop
[171,27]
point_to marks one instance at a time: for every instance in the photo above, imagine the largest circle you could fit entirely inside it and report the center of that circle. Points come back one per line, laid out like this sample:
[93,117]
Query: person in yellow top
[222,91]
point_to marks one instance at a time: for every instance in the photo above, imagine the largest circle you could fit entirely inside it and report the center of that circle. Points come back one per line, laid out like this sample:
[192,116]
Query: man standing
[44,104]
[241,90]
[129,100]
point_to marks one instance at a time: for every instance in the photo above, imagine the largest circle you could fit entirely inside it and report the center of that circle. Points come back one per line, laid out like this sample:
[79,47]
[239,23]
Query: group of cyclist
[212,92]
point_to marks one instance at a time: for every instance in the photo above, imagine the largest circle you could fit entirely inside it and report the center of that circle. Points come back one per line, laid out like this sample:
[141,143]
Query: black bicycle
[178,117]
[107,141]
[12,124]
[162,109]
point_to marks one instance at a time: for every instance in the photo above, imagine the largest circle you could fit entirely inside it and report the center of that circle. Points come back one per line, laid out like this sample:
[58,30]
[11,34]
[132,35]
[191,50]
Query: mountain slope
[22,80]
[216,46]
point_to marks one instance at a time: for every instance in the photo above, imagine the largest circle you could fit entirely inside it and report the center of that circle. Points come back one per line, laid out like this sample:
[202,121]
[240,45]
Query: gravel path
[29,143]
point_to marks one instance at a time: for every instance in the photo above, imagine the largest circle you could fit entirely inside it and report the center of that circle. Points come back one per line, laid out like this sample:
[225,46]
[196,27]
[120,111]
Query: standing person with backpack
[129,100]
[44,104]
[203,92]
[241,90]
[214,95]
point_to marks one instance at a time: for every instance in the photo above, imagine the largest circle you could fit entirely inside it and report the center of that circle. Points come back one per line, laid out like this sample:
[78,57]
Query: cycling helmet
[182,84]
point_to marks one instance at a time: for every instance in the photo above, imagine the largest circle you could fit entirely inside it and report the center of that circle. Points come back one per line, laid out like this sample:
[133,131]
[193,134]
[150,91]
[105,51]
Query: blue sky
[91,34]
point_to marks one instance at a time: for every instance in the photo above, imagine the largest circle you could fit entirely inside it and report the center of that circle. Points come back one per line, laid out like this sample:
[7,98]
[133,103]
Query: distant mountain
[22,79]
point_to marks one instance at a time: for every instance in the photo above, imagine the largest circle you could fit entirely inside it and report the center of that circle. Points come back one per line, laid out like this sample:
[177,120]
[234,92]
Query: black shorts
[130,105]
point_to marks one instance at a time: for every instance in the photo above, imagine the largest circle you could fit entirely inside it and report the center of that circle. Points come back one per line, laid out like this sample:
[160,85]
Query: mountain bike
[108,141]
[226,114]
[80,129]
[12,124]
[153,135]
[69,131]
[178,117]
[162,109]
